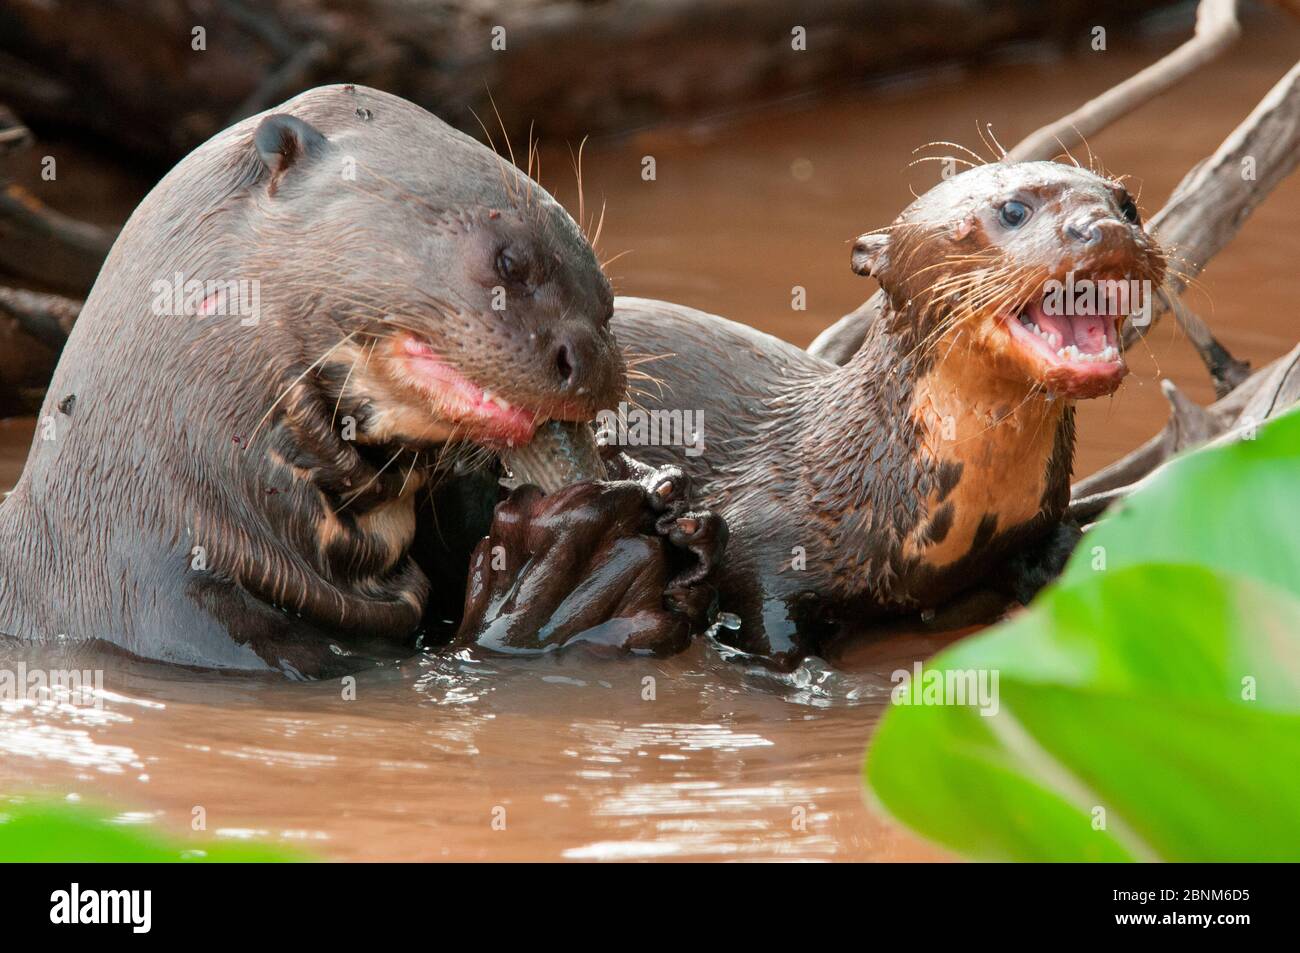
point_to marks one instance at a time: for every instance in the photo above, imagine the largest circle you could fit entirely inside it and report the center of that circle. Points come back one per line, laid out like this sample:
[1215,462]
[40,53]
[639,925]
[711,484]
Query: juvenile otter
[250,453]
[915,471]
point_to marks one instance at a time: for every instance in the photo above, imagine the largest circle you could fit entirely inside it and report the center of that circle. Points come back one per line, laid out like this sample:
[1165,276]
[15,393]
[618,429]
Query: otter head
[1031,264]
[453,299]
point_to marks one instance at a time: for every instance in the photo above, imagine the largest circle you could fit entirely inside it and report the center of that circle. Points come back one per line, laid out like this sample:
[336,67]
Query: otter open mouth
[477,412]
[1076,356]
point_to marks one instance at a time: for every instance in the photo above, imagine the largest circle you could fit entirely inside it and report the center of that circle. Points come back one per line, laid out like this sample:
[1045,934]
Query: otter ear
[284,141]
[870,254]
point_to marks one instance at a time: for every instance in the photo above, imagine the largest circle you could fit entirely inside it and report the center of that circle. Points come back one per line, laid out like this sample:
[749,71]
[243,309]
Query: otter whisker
[966,162]
[992,151]
[600,225]
[294,383]
[533,146]
[343,390]
[577,173]
[402,491]
[510,192]
[1086,145]
[609,261]
[638,376]
[1002,153]
[955,145]
[371,482]
[635,359]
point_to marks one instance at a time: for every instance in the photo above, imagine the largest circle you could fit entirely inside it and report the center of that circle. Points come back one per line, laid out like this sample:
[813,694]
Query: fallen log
[38,243]
[42,245]
[33,327]
[157,77]
[1214,199]
[1268,392]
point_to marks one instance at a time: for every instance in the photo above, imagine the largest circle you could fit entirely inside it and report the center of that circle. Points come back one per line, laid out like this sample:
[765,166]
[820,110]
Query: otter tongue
[1090,332]
[1086,332]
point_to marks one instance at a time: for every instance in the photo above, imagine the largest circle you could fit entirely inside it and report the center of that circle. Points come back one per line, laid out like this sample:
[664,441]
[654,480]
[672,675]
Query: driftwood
[1268,392]
[1216,30]
[1213,201]
[33,327]
[46,317]
[14,136]
[49,248]
[38,243]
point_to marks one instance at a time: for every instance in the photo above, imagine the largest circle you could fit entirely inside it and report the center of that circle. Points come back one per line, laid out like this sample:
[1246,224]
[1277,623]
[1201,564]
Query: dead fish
[561,452]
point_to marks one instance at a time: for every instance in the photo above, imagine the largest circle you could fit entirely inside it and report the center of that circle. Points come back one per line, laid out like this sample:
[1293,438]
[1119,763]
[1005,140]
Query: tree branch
[1216,30]
[1215,198]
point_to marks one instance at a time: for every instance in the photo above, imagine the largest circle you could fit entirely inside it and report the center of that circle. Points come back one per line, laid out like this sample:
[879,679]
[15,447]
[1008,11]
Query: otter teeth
[1051,337]
[491,398]
[1072,353]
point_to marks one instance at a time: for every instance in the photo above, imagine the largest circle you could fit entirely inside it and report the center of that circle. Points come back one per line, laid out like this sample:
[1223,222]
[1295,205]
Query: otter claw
[704,536]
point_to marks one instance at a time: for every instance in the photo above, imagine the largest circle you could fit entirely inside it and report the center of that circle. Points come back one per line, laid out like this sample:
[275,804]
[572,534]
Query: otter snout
[585,363]
[1085,231]
[1095,230]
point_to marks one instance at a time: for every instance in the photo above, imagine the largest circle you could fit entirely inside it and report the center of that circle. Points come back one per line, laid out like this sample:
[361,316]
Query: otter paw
[624,563]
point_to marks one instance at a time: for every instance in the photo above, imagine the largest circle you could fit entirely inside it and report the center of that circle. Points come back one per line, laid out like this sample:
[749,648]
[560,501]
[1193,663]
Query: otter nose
[576,360]
[1087,231]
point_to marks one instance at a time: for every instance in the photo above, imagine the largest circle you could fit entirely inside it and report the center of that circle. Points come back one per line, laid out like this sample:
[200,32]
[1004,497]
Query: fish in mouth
[416,379]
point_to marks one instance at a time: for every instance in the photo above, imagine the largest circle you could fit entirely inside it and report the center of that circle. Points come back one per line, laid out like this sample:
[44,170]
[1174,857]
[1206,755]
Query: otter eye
[511,267]
[1013,214]
[1129,210]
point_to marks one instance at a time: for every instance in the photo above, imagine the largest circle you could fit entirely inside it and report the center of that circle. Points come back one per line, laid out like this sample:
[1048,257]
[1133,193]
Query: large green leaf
[51,832]
[1235,507]
[1145,713]
[1148,706]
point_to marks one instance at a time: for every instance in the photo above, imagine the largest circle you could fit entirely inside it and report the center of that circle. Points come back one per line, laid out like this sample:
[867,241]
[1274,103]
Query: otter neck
[932,452]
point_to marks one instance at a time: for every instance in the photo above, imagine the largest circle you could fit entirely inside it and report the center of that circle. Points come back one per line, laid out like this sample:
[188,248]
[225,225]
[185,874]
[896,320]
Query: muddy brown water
[697,756]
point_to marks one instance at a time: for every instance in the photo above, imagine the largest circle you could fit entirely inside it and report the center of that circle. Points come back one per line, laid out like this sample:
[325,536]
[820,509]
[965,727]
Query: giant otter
[268,441]
[944,447]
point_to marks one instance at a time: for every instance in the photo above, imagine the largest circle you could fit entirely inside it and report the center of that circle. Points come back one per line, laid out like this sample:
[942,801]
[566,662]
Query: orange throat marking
[1002,437]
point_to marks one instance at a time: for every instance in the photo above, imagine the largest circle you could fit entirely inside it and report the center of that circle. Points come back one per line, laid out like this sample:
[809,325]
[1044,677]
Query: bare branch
[1216,30]
[40,244]
[46,317]
[33,327]
[1213,201]
[1268,392]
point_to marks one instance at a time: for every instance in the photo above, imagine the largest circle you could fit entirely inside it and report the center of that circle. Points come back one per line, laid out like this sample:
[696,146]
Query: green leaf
[1148,706]
[55,832]
[1124,699]
[1154,630]
[1235,507]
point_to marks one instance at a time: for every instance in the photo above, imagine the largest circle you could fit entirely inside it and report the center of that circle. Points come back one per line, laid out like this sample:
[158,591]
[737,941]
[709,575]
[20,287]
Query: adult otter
[944,446]
[292,335]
